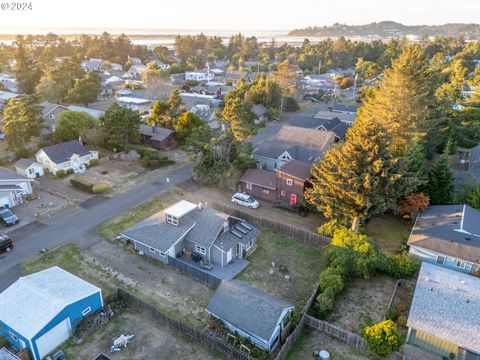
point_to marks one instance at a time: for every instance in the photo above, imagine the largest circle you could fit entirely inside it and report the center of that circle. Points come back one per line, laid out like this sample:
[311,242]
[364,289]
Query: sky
[129,15]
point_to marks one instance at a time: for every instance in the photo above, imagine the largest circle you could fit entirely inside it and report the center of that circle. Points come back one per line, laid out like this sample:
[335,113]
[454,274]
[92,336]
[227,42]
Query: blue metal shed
[40,311]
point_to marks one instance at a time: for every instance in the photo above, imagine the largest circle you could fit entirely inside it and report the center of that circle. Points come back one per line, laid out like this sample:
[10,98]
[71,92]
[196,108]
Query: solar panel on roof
[241,229]
[246,226]
[237,234]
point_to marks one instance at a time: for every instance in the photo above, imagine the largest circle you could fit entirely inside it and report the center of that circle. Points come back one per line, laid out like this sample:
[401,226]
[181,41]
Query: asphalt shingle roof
[297,168]
[339,127]
[159,134]
[247,308]
[260,177]
[62,152]
[24,163]
[7,174]
[474,164]
[226,240]
[446,304]
[437,229]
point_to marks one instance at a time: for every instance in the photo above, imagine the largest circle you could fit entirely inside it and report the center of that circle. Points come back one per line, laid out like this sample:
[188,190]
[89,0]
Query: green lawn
[389,232]
[111,228]
[303,262]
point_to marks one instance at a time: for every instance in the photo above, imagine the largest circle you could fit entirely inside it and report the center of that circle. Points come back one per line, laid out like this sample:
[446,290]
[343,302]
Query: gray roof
[62,152]
[7,355]
[10,187]
[260,177]
[259,110]
[93,63]
[47,108]
[189,100]
[272,150]
[159,134]
[339,127]
[297,168]
[247,308]
[24,164]
[446,304]
[227,239]
[452,230]
[344,108]
[7,174]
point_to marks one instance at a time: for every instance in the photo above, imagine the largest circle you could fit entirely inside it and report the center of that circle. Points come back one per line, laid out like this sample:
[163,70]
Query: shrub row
[82,184]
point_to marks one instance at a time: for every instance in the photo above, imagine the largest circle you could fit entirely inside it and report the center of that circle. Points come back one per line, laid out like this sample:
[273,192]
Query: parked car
[245,200]
[8,218]
[6,243]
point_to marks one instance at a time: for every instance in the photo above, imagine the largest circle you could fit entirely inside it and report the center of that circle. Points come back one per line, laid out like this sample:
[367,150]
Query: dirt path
[173,292]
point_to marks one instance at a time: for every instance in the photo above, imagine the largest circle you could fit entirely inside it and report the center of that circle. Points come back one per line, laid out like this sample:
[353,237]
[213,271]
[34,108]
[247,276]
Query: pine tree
[240,118]
[174,102]
[121,126]
[440,182]
[358,180]
[404,102]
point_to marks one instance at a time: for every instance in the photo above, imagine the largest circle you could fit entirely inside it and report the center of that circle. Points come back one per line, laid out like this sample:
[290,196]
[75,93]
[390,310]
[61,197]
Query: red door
[293,199]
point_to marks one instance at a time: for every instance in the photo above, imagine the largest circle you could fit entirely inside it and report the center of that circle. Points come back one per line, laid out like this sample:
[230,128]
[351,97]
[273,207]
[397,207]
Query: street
[78,224]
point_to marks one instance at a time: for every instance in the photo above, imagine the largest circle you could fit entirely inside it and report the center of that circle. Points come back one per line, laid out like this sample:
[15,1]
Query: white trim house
[13,188]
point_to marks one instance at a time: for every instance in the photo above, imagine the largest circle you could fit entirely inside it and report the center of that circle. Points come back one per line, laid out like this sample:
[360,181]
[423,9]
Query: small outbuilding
[251,313]
[29,168]
[40,311]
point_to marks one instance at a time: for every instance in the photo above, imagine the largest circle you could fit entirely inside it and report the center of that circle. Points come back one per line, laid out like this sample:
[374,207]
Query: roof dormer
[175,212]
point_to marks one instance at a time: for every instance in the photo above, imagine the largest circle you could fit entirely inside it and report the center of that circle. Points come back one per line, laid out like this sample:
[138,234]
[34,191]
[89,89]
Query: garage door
[4,200]
[53,338]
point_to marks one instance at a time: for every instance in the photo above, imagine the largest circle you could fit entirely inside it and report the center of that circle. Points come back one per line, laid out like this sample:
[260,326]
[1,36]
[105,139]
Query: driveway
[78,224]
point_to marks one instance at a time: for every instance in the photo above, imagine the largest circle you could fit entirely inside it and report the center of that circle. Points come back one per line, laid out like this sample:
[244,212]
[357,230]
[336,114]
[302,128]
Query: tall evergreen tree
[121,126]
[26,71]
[440,182]
[239,117]
[86,90]
[358,180]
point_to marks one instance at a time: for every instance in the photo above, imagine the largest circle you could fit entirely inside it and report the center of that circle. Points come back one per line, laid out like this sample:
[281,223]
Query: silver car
[245,200]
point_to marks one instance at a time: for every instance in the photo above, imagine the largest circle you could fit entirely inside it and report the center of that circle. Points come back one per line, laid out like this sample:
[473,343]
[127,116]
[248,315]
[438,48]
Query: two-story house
[185,228]
[64,156]
[13,188]
[202,75]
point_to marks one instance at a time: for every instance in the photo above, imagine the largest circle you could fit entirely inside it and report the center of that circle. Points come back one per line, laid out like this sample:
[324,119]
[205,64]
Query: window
[200,250]
[172,220]
[282,193]
[440,260]
[266,191]
[31,171]
[250,244]
[290,182]
[461,264]
[13,336]
[249,186]
[86,311]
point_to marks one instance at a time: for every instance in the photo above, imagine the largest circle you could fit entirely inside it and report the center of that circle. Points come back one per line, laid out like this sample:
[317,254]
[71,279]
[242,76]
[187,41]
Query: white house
[142,105]
[13,187]
[65,156]
[160,64]
[199,75]
[29,168]
[92,64]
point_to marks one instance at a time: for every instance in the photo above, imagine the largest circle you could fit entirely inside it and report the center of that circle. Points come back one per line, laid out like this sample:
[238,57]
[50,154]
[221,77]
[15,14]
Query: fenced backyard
[190,270]
[204,337]
[302,235]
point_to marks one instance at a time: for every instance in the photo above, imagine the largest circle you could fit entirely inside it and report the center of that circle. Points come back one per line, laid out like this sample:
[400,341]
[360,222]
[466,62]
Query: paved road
[78,224]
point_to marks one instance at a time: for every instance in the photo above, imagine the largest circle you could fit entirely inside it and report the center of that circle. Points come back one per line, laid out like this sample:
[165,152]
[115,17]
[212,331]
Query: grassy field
[110,229]
[389,232]
[303,263]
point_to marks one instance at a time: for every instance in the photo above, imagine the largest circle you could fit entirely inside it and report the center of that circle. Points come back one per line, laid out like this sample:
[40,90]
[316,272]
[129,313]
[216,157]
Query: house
[449,236]
[13,188]
[28,168]
[345,109]
[185,228]
[234,77]
[202,75]
[293,142]
[161,65]
[251,313]
[137,104]
[135,72]
[113,81]
[443,317]
[292,178]
[261,113]
[207,114]
[5,96]
[116,67]
[134,60]
[260,184]
[157,137]
[40,311]
[50,112]
[319,81]
[335,125]
[92,64]
[92,112]
[65,156]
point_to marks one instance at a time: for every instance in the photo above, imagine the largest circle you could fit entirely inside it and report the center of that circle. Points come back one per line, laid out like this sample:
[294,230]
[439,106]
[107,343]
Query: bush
[401,265]
[60,173]
[70,171]
[329,228]
[332,278]
[290,104]
[82,184]
[100,188]
[392,313]
[93,162]
[324,304]
[22,153]
[153,164]
[383,338]
[402,320]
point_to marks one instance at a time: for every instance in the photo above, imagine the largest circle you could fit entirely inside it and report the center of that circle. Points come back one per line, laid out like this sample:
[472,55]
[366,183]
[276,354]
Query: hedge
[82,184]
[60,173]
[100,188]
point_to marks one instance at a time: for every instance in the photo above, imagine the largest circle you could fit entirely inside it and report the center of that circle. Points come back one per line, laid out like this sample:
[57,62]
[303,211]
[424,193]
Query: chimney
[80,140]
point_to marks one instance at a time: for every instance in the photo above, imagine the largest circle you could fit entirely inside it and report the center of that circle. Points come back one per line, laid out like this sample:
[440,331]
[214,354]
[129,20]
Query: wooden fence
[204,337]
[186,268]
[282,354]
[302,235]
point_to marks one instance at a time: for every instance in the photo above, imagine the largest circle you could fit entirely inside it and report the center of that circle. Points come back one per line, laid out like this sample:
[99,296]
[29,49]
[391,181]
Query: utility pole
[319,66]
